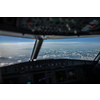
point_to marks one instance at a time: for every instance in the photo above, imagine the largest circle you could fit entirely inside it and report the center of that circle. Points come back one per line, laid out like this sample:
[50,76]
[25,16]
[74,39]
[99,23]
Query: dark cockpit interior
[49,63]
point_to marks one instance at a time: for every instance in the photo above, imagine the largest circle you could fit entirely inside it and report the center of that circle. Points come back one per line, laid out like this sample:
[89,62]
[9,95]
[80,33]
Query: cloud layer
[11,53]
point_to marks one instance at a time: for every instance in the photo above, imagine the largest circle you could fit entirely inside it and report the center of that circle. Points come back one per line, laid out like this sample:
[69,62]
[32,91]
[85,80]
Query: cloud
[22,55]
[11,63]
[45,56]
[73,54]
[95,55]
[3,64]
[18,43]
[9,57]
[4,61]
[19,61]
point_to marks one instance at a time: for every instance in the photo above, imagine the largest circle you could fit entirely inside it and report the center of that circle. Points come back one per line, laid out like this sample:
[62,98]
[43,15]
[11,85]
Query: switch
[29,22]
[94,25]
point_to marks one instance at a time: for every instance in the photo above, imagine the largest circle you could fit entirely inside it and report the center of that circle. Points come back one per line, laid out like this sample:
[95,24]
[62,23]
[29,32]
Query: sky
[90,39]
[8,39]
[25,46]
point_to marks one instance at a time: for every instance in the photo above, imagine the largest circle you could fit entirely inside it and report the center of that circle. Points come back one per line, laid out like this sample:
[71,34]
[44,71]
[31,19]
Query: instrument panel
[59,71]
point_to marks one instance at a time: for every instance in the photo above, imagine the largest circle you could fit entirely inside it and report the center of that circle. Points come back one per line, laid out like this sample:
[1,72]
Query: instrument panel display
[28,82]
[39,78]
[61,76]
[71,74]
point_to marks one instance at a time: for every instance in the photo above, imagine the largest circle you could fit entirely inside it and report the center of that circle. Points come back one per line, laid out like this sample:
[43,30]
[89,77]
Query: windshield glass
[15,50]
[77,48]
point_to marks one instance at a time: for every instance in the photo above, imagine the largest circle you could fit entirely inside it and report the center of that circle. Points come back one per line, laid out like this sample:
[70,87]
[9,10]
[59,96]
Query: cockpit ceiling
[50,27]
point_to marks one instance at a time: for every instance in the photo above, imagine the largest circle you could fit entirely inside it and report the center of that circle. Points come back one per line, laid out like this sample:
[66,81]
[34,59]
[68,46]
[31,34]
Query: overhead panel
[33,27]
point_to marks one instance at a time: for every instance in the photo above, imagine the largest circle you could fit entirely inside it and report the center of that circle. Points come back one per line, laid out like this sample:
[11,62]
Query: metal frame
[36,49]
[37,36]
[97,57]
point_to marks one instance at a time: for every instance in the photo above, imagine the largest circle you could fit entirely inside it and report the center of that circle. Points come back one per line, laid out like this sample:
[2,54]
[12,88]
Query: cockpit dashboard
[55,71]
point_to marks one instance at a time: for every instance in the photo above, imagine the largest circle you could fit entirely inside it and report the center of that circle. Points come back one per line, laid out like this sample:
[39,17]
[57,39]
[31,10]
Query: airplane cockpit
[50,50]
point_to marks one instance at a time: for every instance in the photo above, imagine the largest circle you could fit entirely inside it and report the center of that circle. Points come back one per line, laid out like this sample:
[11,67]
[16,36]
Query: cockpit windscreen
[75,48]
[15,50]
